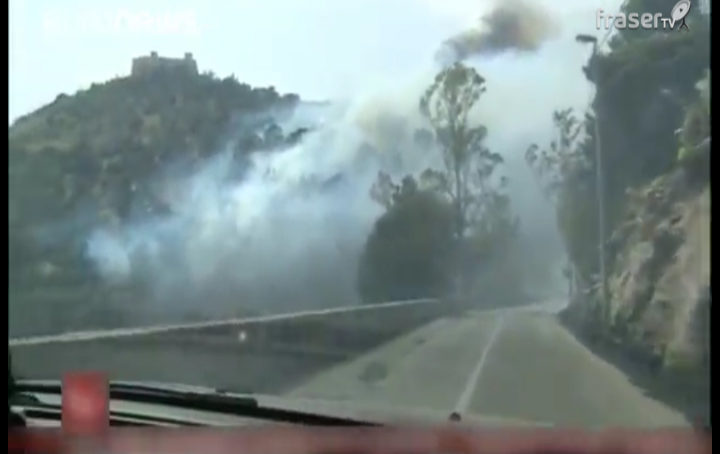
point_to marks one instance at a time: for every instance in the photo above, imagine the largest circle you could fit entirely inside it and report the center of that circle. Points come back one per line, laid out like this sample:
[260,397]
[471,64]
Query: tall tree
[468,164]
[566,173]
[481,213]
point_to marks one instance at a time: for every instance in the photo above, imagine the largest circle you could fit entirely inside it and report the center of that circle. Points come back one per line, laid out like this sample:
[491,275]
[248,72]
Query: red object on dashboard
[85,403]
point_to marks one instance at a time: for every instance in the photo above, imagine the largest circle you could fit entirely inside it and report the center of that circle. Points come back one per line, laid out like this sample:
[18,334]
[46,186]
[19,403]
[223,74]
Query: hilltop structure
[146,65]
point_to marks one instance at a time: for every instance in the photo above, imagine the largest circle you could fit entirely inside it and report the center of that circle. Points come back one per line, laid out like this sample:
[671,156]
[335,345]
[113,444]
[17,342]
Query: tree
[468,165]
[407,253]
[388,193]
[445,224]
[565,170]
[481,213]
[565,158]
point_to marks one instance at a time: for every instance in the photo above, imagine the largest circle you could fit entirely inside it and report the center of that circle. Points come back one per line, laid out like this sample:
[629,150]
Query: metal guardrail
[79,336]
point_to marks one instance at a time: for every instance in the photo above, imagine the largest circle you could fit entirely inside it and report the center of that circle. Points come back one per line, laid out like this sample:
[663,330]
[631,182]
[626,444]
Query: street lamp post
[599,177]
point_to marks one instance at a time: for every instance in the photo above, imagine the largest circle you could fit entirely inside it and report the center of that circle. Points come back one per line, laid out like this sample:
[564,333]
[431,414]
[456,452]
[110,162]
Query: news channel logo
[646,21]
[121,21]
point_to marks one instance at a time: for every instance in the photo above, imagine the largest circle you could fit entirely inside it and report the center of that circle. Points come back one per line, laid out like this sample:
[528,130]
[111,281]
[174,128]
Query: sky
[320,49]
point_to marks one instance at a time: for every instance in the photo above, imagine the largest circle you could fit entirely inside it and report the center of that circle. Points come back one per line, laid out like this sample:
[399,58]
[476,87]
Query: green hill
[90,158]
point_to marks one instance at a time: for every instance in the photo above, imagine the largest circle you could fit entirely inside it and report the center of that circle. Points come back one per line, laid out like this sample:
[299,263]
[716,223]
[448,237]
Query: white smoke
[288,234]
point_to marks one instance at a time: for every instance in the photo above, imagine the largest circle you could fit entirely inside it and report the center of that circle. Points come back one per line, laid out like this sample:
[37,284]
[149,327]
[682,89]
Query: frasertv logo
[645,21]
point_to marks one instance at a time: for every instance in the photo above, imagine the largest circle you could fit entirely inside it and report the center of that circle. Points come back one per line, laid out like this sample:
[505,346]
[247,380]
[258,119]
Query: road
[519,364]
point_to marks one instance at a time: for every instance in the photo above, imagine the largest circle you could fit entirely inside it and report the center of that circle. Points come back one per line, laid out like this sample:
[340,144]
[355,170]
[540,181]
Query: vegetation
[653,116]
[410,249]
[566,173]
[445,225]
[88,158]
[646,92]
[693,153]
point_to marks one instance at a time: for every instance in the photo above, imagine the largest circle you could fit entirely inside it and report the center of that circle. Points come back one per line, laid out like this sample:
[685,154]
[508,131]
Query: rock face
[660,289]
[659,284]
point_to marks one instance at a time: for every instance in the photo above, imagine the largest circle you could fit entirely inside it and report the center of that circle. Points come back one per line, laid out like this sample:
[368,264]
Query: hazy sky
[317,48]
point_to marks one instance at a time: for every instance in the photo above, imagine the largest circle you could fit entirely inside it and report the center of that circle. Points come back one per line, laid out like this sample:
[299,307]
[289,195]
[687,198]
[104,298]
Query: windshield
[499,209]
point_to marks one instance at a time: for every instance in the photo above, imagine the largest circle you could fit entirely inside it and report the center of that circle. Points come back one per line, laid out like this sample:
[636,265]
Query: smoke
[278,230]
[287,234]
[283,230]
[511,25]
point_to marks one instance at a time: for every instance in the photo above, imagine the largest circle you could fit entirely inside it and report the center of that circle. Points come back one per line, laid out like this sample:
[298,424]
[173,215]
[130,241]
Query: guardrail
[80,336]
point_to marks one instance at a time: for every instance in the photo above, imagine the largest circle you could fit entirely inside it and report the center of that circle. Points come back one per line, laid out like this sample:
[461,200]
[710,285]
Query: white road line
[464,400]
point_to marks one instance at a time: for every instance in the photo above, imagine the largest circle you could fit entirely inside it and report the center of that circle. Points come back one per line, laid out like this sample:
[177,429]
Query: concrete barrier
[355,317]
[261,354]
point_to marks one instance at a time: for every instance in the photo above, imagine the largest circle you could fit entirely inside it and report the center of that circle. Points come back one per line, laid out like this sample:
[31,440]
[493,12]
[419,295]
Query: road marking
[464,400]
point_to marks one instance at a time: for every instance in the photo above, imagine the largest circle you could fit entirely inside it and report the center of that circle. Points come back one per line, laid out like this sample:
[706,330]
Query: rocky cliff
[658,258]
[660,284]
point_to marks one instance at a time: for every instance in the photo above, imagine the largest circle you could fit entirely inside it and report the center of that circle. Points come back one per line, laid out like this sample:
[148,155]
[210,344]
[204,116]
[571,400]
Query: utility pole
[599,177]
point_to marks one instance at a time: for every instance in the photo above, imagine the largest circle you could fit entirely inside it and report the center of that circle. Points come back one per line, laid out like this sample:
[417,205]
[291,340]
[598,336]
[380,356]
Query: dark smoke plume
[511,25]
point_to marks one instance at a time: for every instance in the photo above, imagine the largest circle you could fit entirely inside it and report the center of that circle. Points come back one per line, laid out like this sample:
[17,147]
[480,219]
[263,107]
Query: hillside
[659,287]
[653,101]
[92,159]
[127,123]
[640,291]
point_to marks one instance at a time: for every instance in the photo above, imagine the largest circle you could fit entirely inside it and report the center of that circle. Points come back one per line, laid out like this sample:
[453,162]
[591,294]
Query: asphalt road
[518,364]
